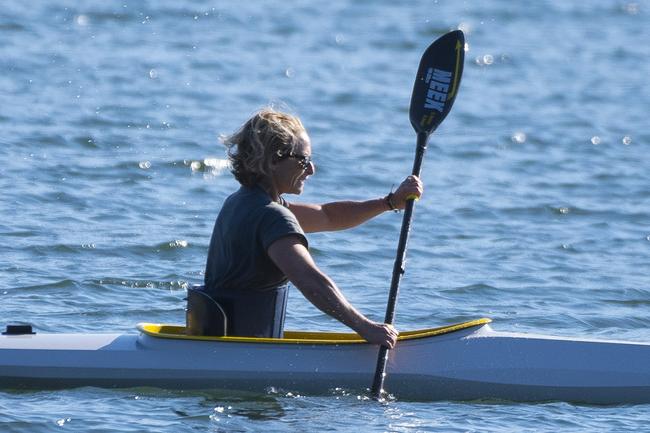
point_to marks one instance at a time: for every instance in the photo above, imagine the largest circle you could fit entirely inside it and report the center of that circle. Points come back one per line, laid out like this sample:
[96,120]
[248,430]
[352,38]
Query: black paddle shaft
[400,260]
[398,270]
[434,92]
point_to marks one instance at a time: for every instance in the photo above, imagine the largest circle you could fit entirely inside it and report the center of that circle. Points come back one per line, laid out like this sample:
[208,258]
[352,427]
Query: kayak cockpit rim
[177,332]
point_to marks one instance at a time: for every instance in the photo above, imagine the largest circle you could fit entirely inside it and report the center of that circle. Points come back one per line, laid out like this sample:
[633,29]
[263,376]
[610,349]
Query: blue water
[536,211]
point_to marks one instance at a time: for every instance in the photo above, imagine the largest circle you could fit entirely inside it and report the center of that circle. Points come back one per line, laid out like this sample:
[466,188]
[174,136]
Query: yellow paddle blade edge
[177,332]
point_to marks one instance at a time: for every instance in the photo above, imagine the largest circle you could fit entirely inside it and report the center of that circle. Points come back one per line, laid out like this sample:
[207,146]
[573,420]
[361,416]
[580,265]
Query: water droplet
[564,210]
[144,165]
[518,137]
[62,421]
[595,140]
[631,8]
[153,73]
[488,59]
[627,140]
[195,165]
[81,20]
[339,39]
[289,72]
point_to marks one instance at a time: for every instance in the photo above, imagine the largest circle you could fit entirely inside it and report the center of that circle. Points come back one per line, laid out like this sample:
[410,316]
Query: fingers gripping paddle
[434,92]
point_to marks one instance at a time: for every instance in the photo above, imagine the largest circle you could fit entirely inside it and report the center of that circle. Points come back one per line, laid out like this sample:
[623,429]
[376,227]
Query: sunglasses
[303,160]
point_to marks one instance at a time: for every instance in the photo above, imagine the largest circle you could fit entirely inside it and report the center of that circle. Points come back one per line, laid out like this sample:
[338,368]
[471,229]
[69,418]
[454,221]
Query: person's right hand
[380,333]
[411,187]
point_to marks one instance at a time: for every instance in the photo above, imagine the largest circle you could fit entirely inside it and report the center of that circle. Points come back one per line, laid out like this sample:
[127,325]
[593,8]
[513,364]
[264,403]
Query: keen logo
[438,81]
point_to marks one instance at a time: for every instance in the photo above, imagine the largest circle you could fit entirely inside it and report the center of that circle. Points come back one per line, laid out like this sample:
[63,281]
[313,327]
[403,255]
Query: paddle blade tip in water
[437,82]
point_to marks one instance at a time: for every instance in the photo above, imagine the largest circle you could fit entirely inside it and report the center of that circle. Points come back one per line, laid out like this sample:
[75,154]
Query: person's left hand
[411,187]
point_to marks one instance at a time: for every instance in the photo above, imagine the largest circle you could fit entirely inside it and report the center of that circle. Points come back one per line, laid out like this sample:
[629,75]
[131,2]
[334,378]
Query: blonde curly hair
[266,136]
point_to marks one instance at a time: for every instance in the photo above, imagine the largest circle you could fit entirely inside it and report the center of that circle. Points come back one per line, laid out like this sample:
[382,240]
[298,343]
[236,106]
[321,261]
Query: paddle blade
[437,82]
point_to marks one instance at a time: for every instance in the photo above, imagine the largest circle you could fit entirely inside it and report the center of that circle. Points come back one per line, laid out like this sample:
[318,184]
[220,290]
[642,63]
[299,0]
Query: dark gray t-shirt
[249,222]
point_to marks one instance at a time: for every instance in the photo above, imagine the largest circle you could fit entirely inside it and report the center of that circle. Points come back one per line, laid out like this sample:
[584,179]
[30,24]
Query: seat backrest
[204,315]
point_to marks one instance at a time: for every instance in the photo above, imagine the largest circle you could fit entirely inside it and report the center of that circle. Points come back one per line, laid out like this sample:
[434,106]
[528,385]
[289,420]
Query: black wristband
[389,202]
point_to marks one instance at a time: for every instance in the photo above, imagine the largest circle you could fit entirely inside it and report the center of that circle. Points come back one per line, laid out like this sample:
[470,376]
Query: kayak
[466,361]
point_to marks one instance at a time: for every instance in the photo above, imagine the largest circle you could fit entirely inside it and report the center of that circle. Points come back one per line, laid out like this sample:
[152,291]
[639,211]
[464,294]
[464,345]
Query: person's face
[292,170]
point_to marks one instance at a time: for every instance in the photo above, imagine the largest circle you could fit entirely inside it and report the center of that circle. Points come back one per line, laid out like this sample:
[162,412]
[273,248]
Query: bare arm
[342,215]
[291,256]
[338,215]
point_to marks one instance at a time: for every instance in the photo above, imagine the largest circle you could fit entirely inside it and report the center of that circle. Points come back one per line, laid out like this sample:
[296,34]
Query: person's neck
[271,190]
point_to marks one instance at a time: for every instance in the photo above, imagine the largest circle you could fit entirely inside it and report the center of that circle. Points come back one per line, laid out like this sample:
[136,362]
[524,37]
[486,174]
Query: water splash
[518,137]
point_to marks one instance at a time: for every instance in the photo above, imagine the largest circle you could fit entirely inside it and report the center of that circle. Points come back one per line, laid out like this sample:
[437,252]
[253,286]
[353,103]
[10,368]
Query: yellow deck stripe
[177,332]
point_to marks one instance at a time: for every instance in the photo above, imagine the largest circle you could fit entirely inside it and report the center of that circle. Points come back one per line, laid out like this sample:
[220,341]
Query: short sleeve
[277,223]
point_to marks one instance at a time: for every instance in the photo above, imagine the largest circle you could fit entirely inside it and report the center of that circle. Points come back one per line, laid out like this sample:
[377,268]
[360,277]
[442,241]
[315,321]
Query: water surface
[536,211]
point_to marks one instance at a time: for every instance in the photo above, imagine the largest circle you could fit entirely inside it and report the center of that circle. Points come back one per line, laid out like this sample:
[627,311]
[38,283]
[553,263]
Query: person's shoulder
[276,209]
[278,221]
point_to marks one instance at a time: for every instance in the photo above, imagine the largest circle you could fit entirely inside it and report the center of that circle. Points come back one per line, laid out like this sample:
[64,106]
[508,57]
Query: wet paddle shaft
[434,92]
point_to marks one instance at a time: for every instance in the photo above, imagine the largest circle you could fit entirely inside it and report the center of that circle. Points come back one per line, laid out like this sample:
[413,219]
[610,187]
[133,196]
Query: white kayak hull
[471,363]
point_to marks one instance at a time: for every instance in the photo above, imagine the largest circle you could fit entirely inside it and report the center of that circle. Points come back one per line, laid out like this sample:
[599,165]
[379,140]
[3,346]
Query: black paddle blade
[437,82]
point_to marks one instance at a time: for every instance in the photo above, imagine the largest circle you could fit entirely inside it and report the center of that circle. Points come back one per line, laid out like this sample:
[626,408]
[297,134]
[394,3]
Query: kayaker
[258,241]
